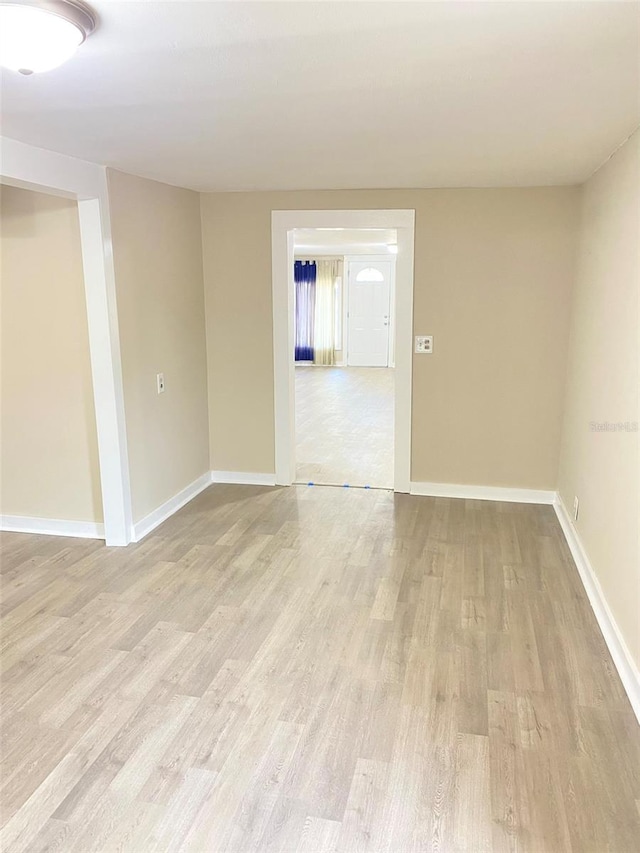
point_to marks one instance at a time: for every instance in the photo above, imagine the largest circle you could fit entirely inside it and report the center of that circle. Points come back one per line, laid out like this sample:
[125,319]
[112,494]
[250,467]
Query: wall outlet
[424,343]
[160,382]
[576,506]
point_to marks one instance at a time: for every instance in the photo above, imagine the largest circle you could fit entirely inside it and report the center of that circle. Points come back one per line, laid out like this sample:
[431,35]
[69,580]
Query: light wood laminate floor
[313,669]
[344,426]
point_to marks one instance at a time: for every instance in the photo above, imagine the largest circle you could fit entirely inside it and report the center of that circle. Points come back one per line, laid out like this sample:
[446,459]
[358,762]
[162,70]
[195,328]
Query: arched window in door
[369,274]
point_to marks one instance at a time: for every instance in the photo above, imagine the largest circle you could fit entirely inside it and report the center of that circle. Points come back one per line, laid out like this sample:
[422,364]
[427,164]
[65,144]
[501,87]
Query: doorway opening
[344,282]
[29,168]
[360,343]
[51,480]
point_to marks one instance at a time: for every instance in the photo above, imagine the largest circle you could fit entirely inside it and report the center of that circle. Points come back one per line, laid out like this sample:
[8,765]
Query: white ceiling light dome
[38,35]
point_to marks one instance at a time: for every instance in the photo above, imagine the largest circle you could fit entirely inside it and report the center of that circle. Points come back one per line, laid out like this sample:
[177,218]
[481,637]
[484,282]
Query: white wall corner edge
[483,493]
[142,528]
[51,527]
[618,649]
[243,478]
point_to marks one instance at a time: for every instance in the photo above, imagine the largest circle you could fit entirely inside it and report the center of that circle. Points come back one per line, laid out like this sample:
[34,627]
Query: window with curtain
[305,292]
[325,315]
[318,310]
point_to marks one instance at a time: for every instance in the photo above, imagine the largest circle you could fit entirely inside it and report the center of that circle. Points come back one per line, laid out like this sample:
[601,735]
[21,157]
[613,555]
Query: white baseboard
[624,662]
[143,527]
[51,526]
[483,493]
[243,478]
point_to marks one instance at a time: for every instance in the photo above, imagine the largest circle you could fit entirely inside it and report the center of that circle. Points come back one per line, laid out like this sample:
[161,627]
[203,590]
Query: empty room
[319,426]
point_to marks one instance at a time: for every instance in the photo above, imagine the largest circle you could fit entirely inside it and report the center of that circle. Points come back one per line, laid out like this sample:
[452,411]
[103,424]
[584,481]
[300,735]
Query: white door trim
[56,174]
[283,222]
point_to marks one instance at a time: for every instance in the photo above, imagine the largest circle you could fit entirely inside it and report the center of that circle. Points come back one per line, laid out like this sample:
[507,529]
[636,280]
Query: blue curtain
[305,280]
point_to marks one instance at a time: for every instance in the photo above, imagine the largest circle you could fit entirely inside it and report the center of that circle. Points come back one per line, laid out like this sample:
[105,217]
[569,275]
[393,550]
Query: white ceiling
[243,96]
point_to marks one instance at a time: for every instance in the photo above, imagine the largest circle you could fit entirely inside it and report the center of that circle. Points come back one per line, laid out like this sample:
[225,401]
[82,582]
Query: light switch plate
[424,344]
[160,382]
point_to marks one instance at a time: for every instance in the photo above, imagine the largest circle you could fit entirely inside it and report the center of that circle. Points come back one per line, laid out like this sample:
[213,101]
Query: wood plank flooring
[313,669]
[344,426]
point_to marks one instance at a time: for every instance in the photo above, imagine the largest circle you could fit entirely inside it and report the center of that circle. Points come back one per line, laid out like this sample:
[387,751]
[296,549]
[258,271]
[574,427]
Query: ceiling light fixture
[38,35]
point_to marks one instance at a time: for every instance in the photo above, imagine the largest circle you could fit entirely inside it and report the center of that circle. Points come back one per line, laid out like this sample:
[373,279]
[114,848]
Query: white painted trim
[106,367]
[483,493]
[283,223]
[143,527]
[243,478]
[51,526]
[45,171]
[622,658]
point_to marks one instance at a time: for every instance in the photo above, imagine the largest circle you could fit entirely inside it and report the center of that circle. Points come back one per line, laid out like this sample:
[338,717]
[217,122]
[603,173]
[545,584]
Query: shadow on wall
[19,220]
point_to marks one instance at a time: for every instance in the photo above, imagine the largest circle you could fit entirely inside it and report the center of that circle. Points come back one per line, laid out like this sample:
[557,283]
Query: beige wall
[602,468]
[493,276]
[158,264]
[49,446]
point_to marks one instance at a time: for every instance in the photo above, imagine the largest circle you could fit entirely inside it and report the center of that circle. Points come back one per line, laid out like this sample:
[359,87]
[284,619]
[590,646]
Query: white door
[369,314]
